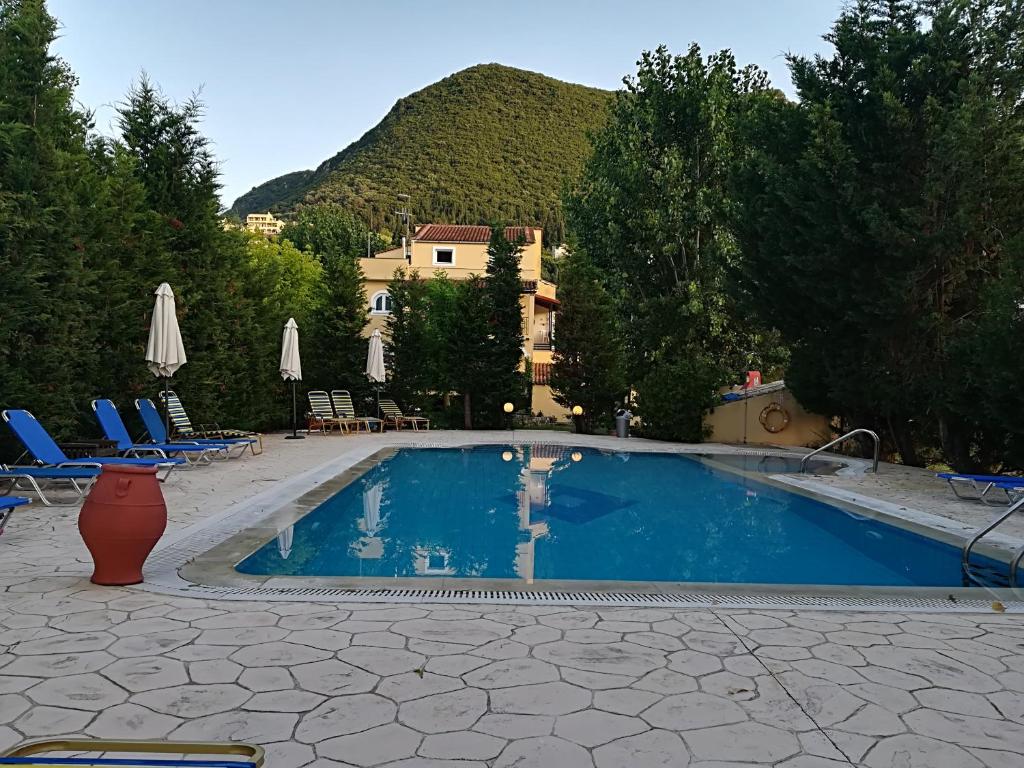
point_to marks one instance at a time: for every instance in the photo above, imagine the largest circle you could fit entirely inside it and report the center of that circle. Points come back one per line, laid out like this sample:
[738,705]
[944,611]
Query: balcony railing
[542,342]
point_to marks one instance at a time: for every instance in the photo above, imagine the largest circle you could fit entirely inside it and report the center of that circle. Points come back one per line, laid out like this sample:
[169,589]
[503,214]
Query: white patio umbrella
[284,542]
[375,370]
[291,368]
[165,352]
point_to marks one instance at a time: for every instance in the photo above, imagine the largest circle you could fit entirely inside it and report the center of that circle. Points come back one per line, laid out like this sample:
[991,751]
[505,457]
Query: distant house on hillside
[264,223]
[459,251]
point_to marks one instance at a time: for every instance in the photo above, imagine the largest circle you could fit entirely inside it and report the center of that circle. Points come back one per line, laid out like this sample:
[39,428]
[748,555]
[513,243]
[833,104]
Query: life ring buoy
[776,425]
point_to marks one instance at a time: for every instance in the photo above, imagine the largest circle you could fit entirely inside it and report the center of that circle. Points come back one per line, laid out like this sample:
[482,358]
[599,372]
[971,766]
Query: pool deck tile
[440,686]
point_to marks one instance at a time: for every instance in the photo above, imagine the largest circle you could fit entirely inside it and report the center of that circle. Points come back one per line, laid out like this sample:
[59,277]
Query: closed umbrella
[373,495]
[375,370]
[165,352]
[284,542]
[291,368]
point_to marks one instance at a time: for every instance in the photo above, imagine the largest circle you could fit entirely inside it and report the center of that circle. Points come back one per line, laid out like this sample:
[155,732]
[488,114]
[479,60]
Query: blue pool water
[547,512]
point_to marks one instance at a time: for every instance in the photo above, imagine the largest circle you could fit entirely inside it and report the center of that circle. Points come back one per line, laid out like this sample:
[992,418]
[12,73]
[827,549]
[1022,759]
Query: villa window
[444,257]
[380,304]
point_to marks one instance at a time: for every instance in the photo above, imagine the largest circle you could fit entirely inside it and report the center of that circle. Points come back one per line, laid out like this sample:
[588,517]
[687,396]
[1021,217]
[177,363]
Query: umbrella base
[294,437]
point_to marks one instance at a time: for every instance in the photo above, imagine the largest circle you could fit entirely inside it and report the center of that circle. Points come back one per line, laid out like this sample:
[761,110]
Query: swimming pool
[548,513]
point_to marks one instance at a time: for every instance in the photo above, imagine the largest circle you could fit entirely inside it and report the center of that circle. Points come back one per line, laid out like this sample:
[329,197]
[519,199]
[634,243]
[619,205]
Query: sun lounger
[393,415]
[79,479]
[154,425]
[7,506]
[45,451]
[114,428]
[995,490]
[184,429]
[322,415]
[343,406]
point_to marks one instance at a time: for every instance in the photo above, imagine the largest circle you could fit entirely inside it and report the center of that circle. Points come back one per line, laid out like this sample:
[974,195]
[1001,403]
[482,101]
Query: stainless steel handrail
[874,436]
[966,555]
[1014,565]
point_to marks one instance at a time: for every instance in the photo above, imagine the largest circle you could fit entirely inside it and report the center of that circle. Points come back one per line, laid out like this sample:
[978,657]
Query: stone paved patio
[421,686]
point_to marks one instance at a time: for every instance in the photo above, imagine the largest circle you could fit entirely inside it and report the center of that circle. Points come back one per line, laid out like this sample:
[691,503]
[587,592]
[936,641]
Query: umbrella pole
[295,419]
[167,409]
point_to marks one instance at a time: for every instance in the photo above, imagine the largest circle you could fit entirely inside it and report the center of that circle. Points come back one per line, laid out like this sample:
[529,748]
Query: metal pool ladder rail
[1014,563]
[848,435]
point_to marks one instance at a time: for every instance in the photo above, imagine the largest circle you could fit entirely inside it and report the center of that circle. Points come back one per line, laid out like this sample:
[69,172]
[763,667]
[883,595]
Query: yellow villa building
[460,251]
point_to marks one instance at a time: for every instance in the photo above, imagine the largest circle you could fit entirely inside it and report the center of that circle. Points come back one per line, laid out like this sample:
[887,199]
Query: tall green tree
[409,343]
[655,210]
[504,289]
[47,183]
[876,212]
[589,359]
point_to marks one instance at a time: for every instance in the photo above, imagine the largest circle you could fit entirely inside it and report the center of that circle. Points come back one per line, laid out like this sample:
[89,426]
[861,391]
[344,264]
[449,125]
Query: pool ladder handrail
[965,561]
[843,438]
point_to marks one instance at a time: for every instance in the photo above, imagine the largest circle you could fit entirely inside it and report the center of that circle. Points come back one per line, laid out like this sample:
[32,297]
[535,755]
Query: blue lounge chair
[79,479]
[7,505]
[995,490]
[114,428]
[155,427]
[45,451]
[184,429]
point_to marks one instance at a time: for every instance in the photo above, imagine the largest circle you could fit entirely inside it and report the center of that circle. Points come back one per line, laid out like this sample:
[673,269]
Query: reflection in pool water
[552,512]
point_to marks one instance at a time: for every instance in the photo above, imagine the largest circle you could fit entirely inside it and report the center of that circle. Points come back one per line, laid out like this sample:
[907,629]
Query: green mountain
[485,144]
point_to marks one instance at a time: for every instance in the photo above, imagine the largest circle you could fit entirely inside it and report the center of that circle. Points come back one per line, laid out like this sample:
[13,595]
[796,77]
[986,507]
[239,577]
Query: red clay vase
[121,521]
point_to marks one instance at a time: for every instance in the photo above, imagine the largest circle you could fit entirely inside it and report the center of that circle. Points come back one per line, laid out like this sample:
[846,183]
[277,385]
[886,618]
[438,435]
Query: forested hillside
[487,143]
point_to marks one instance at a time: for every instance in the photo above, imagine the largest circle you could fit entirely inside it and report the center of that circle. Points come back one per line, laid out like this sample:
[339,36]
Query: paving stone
[462,746]
[189,653]
[453,711]
[237,619]
[13,684]
[241,636]
[615,658]
[147,626]
[593,727]
[570,620]
[910,751]
[152,644]
[284,701]
[625,701]
[214,671]
[515,726]
[873,720]
[58,665]
[390,613]
[288,754]
[435,648]
[237,726]
[194,700]
[544,752]
[270,679]
[511,617]
[503,649]
[12,705]
[323,620]
[542,699]
[382,661]
[966,731]
[893,699]
[503,674]
[145,673]
[741,742]
[89,691]
[653,749]
[591,636]
[716,643]
[657,640]
[958,702]
[49,721]
[666,681]
[326,639]
[278,654]
[344,715]
[940,670]
[694,663]
[409,685]
[455,665]
[130,721]
[474,632]
[536,635]
[693,710]
[430,762]
[373,747]
[89,621]
[333,678]
[596,681]
[64,643]
[379,639]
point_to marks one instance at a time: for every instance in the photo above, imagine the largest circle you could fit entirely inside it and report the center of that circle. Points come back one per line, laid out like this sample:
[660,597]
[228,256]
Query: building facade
[264,223]
[460,251]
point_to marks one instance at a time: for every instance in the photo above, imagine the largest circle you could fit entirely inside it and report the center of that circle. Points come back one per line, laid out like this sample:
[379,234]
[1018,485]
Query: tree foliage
[882,223]
[589,366]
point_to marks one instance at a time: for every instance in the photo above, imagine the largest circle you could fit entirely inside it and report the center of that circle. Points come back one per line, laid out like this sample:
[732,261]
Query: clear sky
[289,83]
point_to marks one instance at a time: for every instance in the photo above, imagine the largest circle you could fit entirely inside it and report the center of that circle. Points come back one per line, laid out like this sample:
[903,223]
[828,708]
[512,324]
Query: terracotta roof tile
[467,233]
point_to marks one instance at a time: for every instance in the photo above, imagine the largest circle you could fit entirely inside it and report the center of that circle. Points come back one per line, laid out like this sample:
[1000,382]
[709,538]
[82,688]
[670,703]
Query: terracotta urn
[121,521]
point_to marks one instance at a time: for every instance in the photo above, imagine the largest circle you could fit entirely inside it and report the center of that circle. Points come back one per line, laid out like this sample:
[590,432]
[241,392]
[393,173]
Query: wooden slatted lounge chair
[213,432]
[345,409]
[393,415]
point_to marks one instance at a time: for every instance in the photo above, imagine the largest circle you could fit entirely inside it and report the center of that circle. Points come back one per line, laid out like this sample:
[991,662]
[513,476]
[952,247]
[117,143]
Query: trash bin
[622,417]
